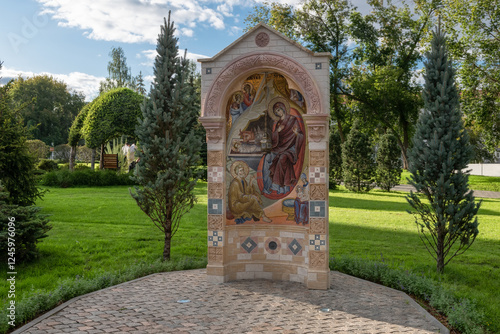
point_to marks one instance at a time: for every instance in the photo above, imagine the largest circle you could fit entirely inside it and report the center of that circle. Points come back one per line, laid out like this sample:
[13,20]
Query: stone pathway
[477,193]
[184,302]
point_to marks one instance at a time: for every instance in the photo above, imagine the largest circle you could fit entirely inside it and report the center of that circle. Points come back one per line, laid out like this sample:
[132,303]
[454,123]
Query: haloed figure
[243,198]
[287,141]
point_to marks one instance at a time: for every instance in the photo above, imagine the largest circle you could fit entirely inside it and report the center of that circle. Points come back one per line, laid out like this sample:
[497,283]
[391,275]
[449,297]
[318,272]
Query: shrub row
[462,314]
[64,178]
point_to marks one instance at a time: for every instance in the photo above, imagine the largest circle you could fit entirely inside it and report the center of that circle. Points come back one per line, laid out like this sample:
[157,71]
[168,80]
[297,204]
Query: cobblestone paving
[150,305]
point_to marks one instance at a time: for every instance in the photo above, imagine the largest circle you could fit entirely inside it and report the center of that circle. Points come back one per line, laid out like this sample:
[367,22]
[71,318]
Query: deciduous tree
[119,74]
[47,106]
[112,114]
[474,29]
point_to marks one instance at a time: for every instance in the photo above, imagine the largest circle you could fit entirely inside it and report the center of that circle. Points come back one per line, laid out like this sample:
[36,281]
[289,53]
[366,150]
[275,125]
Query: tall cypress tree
[168,146]
[440,152]
[388,161]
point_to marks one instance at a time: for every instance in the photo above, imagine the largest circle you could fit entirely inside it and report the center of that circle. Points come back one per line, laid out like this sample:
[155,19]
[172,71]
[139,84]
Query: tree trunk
[101,158]
[72,156]
[337,116]
[440,250]
[406,143]
[92,160]
[405,158]
[166,249]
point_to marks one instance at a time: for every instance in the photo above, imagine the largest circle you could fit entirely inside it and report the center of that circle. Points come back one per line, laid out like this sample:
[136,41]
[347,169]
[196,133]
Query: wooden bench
[110,161]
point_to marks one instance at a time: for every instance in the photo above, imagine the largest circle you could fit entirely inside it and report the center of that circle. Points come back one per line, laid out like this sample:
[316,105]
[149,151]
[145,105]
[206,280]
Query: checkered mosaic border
[215,174]
[215,238]
[317,174]
[317,242]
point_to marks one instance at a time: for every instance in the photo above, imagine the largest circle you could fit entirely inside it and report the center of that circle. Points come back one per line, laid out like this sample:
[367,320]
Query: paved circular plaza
[184,302]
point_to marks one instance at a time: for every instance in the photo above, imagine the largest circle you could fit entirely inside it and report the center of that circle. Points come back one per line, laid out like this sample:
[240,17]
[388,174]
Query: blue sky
[71,40]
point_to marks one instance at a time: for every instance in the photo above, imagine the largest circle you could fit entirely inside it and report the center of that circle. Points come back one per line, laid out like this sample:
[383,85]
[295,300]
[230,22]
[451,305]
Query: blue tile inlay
[294,247]
[249,245]
[214,206]
[317,209]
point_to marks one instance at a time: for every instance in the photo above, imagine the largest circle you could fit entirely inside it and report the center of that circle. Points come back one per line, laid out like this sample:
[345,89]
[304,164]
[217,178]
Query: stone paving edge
[72,300]
[418,308]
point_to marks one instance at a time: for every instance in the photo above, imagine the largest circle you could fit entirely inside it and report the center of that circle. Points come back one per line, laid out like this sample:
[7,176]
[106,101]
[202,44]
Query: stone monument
[265,108]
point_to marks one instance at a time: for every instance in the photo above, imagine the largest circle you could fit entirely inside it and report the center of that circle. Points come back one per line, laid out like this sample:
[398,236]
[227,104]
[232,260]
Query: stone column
[319,272]
[216,137]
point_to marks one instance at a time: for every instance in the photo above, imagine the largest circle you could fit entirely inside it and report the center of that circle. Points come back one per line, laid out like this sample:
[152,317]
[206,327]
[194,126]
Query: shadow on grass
[336,200]
[474,273]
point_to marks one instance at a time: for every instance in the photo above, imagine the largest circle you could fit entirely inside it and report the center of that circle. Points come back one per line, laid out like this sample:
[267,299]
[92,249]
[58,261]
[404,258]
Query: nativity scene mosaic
[266,153]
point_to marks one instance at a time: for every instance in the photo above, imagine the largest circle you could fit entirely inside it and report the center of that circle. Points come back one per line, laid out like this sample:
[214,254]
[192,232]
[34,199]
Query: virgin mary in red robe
[287,141]
[279,167]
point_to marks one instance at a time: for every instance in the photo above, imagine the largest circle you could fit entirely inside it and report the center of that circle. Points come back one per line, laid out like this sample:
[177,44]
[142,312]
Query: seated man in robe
[243,198]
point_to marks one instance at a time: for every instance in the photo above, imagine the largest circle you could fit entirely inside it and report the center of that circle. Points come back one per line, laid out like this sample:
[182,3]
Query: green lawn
[98,230]
[476,182]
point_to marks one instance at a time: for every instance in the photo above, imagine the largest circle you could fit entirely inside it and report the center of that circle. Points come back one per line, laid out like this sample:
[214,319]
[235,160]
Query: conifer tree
[168,146]
[388,163]
[17,165]
[358,168]
[440,153]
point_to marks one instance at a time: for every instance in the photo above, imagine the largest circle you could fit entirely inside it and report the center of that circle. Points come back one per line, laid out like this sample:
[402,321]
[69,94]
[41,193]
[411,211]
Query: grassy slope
[102,229]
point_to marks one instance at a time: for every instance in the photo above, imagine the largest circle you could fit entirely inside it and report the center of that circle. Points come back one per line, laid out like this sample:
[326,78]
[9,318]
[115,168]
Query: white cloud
[187,32]
[150,56]
[134,21]
[77,81]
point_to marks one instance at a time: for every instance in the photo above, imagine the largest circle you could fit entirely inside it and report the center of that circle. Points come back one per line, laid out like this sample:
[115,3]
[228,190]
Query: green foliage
[119,74]
[85,177]
[322,26]
[62,153]
[47,165]
[462,313]
[83,154]
[111,115]
[475,44]
[169,145]
[440,152]
[75,131]
[388,163]
[358,167]
[23,224]
[335,149]
[386,55]
[140,87]
[47,107]
[16,162]
[38,149]
[279,16]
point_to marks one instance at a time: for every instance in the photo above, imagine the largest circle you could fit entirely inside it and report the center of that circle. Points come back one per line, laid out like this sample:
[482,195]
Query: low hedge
[89,178]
